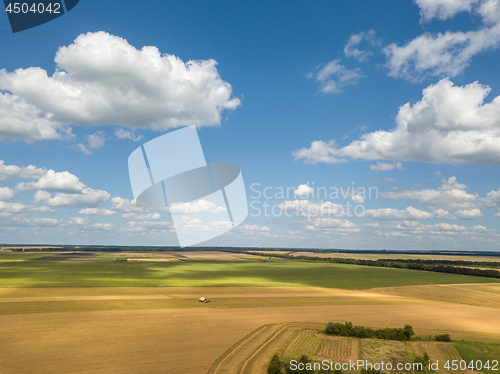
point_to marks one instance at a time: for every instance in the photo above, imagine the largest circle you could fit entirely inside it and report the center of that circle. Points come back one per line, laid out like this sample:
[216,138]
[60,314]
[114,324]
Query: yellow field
[487,295]
[393,256]
[188,340]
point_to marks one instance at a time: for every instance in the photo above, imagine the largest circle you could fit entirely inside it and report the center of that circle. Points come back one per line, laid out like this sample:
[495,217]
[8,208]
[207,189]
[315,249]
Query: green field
[483,352]
[37,270]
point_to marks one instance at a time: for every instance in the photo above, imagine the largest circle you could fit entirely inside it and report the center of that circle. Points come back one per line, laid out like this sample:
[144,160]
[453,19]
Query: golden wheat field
[101,329]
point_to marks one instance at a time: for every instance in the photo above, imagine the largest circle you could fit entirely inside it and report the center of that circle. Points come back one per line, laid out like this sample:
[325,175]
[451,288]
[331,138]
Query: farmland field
[102,314]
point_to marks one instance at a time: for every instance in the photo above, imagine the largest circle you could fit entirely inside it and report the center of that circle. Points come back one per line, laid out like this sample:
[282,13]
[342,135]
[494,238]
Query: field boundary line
[235,346]
[262,347]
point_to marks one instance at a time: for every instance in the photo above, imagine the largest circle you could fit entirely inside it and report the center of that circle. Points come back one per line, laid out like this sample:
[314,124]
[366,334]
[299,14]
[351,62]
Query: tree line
[348,329]
[425,265]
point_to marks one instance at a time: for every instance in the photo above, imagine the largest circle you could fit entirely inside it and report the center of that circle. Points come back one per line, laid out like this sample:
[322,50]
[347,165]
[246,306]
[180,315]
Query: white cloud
[334,223]
[135,216]
[88,198]
[384,166]
[126,134]
[409,213]
[351,48]
[303,190]
[96,140]
[443,9]
[439,55]
[447,230]
[24,121]
[56,182]
[468,214]
[97,212]
[24,172]
[451,195]
[34,222]
[16,208]
[445,54]
[253,228]
[101,79]
[490,11]
[82,148]
[40,196]
[120,204]
[449,125]
[200,206]
[358,199]
[7,193]
[308,208]
[333,77]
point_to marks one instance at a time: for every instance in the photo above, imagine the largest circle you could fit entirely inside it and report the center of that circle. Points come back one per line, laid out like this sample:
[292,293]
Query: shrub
[443,338]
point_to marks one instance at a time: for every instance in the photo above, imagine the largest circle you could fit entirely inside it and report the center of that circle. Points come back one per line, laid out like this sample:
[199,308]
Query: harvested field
[397,256]
[438,352]
[82,298]
[321,347]
[253,353]
[469,294]
[376,351]
[166,340]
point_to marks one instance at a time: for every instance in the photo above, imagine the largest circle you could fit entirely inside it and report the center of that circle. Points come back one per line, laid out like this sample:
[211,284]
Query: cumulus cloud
[351,48]
[385,166]
[101,79]
[253,228]
[449,53]
[439,231]
[438,55]
[87,198]
[334,223]
[119,204]
[96,140]
[409,213]
[7,193]
[468,214]
[450,195]
[303,190]
[309,208]
[333,77]
[136,216]
[358,199]
[443,9]
[34,222]
[126,134]
[97,212]
[40,196]
[450,124]
[490,11]
[16,208]
[24,121]
[56,182]
[200,206]
[24,172]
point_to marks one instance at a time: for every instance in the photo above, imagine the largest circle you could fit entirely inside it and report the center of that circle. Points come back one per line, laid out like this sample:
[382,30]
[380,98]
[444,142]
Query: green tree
[274,366]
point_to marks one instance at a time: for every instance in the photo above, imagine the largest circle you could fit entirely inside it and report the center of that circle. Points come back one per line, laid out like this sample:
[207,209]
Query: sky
[356,124]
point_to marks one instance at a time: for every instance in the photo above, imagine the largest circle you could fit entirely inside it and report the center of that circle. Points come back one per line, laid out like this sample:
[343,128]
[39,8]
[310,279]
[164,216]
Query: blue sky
[402,97]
